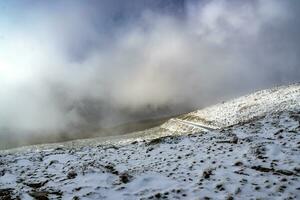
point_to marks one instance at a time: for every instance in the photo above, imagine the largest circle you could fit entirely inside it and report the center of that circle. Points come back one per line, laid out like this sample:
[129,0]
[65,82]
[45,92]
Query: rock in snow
[248,148]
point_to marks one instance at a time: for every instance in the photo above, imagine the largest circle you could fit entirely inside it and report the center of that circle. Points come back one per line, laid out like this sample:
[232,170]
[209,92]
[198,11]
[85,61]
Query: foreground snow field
[248,148]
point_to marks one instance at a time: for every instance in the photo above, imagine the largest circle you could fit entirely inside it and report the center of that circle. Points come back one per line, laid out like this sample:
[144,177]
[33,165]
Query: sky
[67,66]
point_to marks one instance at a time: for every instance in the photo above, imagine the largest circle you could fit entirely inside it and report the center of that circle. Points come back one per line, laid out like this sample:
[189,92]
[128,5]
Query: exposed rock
[124,177]
[36,184]
[6,194]
[71,174]
[39,195]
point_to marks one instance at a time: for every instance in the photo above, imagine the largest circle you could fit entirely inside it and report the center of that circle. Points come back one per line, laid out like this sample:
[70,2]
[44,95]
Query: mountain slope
[242,109]
[242,149]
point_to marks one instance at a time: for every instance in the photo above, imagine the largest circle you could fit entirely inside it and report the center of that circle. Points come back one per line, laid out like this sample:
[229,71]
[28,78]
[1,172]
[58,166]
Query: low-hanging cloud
[64,66]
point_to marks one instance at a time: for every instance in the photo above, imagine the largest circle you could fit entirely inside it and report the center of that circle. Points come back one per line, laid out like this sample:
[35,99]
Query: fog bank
[74,66]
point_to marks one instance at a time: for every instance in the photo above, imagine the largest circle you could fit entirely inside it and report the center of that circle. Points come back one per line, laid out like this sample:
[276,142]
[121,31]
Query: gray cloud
[70,65]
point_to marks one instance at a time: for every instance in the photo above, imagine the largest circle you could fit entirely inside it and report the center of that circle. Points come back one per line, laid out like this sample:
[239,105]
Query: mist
[75,66]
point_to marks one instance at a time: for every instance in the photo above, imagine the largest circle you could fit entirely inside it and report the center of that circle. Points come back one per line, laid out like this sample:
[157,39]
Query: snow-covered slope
[239,110]
[255,155]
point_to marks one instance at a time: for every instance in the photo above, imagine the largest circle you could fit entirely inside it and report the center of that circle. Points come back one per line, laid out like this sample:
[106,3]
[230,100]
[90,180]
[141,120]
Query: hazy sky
[70,64]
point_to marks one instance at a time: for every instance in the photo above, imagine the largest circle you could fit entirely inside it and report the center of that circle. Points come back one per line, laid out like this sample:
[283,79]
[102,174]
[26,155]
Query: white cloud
[62,60]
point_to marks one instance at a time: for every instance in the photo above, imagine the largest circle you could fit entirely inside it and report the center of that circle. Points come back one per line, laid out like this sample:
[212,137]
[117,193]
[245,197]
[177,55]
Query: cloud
[66,65]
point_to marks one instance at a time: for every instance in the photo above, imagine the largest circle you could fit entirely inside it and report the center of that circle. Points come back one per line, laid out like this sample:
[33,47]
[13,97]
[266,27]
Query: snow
[247,107]
[255,157]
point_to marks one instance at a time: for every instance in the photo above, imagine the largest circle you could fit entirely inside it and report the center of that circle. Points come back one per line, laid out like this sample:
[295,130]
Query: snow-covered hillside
[248,148]
[242,109]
